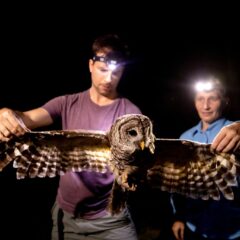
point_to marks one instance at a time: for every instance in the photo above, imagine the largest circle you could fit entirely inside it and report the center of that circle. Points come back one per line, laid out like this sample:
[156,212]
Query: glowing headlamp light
[204,86]
[112,64]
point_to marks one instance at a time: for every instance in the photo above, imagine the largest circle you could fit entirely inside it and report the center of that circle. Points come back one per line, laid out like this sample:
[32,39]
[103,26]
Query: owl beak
[142,145]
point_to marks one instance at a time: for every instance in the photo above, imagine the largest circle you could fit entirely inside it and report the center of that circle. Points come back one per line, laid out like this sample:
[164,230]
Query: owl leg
[118,199]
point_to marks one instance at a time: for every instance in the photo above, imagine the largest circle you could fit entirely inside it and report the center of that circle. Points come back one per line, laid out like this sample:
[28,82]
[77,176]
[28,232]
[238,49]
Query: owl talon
[127,187]
[133,187]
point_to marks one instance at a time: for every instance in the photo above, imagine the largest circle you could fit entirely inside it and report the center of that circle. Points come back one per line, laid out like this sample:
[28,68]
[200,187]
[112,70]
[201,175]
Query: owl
[134,155]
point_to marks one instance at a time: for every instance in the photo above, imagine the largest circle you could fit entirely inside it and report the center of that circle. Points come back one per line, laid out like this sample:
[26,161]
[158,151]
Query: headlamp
[112,64]
[204,86]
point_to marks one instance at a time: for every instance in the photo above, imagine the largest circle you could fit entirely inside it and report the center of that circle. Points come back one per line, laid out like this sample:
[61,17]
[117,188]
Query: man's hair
[112,46]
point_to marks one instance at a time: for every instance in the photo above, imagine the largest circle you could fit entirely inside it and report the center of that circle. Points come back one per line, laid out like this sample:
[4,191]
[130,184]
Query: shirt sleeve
[54,107]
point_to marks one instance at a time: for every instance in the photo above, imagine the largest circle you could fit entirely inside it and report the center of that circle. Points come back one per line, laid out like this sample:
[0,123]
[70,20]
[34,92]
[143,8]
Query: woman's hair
[210,83]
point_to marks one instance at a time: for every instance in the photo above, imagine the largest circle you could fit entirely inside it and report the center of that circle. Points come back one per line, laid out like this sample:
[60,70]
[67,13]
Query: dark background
[45,54]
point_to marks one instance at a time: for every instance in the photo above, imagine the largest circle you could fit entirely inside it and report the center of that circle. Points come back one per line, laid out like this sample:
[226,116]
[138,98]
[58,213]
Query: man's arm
[228,139]
[16,123]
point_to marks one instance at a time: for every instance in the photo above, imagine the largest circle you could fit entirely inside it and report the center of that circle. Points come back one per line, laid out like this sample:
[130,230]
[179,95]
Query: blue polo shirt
[207,136]
[212,219]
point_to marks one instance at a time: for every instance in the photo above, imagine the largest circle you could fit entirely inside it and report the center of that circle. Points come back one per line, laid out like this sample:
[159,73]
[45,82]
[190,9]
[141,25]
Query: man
[80,208]
[210,219]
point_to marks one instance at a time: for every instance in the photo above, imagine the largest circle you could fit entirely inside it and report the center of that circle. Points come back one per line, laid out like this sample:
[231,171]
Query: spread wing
[193,169]
[49,153]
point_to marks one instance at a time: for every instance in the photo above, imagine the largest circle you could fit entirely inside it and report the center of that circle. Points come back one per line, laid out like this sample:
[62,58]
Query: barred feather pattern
[51,153]
[194,170]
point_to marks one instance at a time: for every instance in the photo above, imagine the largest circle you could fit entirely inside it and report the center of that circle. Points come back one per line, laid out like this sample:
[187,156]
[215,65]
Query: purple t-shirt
[86,193]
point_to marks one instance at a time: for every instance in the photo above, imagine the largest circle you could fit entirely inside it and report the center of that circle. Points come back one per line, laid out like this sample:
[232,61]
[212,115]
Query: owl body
[128,143]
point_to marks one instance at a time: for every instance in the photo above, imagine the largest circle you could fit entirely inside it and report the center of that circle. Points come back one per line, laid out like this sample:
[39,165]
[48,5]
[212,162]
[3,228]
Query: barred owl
[134,155]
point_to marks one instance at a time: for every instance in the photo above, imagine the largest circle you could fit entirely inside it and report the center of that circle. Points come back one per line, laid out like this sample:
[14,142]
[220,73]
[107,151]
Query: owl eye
[132,133]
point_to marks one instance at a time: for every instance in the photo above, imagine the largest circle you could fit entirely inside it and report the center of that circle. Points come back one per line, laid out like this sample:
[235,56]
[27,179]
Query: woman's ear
[227,101]
[226,105]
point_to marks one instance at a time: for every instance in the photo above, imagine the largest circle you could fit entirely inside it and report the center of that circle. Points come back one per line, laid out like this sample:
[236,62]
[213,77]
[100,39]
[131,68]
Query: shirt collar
[219,122]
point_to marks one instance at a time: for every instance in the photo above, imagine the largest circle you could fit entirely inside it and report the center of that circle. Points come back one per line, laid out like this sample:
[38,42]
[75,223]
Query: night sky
[46,54]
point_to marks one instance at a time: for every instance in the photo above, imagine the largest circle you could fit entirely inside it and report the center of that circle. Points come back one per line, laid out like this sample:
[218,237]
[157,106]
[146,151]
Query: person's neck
[101,100]
[205,126]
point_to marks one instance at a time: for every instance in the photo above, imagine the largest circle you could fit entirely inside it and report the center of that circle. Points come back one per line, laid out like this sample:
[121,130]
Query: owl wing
[49,153]
[193,169]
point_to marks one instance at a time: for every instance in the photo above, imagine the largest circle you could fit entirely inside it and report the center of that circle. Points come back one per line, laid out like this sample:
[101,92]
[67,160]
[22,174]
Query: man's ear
[90,64]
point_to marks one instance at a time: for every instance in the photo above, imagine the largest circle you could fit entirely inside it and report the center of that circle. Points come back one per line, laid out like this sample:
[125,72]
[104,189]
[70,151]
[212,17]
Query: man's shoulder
[130,106]
[75,96]
[126,101]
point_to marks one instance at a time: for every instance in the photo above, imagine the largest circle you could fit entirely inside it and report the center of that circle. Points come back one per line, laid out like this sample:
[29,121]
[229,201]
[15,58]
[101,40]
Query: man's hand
[228,139]
[10,124]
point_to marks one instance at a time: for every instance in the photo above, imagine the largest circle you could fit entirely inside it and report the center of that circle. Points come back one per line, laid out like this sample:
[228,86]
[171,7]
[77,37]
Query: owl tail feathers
[118,199]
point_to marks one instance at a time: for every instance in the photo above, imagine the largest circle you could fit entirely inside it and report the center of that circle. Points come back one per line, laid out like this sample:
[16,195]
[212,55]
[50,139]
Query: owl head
[132,132]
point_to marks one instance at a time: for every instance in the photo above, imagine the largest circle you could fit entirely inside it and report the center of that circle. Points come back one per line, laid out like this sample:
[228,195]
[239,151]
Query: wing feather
[193,169]
[49,153]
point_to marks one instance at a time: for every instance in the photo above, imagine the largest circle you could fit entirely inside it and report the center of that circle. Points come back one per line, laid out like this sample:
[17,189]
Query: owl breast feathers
[134,155]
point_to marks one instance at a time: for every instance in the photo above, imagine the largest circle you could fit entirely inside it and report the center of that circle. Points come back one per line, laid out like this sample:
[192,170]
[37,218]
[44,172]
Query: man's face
[209,105]
[104,79]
